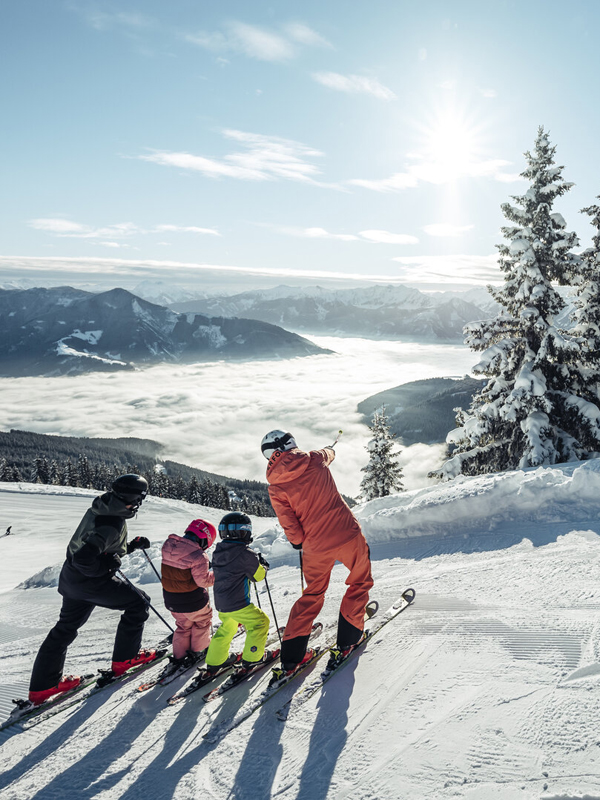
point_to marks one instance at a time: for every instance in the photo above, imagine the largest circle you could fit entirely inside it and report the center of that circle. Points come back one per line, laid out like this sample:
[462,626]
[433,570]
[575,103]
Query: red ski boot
[64,685]
[143,657]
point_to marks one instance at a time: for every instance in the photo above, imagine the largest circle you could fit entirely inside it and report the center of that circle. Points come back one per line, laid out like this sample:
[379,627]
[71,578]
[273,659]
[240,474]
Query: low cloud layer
[213,416]
[450,270]
[227,278]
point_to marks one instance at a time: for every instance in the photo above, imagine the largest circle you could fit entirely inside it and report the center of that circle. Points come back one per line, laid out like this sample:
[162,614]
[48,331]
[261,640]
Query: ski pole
[144,598]
[301,570]
[337,438]
[273,610]
[151,564]
[257,597]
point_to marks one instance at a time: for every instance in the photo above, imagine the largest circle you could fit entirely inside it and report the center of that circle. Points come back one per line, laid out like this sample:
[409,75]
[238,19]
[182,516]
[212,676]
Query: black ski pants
[79,600]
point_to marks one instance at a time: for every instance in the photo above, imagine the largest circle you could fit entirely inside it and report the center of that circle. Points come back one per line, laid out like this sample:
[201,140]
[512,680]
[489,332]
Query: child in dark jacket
[186,575]
[235,566]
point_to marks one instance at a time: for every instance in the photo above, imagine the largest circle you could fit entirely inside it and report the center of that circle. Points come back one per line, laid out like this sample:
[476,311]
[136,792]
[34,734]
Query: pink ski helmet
[202,530]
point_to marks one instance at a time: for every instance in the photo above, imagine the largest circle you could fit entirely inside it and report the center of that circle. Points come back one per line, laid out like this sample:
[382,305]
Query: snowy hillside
[488,687]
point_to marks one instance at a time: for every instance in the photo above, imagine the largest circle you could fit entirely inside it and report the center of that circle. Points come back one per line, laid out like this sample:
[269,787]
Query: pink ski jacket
[185,574]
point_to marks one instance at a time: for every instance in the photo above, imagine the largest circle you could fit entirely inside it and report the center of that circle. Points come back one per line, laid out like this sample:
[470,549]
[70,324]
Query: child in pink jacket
[185,578]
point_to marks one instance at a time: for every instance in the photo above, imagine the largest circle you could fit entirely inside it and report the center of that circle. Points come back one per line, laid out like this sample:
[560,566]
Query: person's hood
[109,504]
[284,467]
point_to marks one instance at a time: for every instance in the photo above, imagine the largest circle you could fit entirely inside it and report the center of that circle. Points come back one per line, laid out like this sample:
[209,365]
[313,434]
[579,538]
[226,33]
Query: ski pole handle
[337,438]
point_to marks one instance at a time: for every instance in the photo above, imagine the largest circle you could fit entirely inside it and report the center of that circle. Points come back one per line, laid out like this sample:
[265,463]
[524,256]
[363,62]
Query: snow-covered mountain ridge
[485,689]
[377,310]
[68,331]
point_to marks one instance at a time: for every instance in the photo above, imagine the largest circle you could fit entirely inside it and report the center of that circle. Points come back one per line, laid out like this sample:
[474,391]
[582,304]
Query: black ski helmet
[236,526]
[131,488]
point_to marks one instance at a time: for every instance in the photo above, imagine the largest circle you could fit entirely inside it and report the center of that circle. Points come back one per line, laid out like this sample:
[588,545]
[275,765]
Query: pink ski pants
[192,632]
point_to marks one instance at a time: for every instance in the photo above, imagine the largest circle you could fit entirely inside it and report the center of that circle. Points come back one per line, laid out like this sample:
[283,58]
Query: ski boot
[285,670]
[143,657]
[64,685]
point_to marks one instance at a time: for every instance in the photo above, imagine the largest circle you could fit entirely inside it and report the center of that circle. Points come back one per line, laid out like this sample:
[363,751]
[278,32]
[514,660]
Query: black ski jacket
[101,534]
[234,565]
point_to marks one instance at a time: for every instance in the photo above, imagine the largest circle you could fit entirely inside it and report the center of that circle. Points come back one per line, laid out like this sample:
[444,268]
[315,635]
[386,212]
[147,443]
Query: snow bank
[135,567]
[539,495]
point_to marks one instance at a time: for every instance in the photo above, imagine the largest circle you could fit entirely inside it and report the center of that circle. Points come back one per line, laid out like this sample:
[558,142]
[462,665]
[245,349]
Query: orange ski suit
[313,513]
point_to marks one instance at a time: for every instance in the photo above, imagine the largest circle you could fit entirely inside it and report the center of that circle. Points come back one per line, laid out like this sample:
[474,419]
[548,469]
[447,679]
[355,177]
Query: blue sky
[226,145]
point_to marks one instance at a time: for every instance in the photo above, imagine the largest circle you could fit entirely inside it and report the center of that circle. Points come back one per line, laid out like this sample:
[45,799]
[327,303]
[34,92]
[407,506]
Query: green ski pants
[256,623]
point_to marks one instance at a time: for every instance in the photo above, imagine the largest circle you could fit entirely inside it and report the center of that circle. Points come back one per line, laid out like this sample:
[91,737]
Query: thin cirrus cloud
[385,237]
[265,158]
[444,229]
[65,228]
[257,42]
[373,236]
[354,84]
[425,171]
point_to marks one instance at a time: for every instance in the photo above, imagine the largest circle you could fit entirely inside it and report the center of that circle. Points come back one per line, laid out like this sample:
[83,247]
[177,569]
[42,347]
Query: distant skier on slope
[8,530]
[186,575]
[235,566]
[87,580]
[317,521]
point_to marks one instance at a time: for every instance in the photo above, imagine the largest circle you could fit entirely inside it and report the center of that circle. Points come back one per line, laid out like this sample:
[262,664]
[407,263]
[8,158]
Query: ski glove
[111,561]
[139,543]
[263,561]
[296,546]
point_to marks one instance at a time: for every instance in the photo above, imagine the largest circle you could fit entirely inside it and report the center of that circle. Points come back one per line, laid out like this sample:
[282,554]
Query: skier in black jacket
[87,580]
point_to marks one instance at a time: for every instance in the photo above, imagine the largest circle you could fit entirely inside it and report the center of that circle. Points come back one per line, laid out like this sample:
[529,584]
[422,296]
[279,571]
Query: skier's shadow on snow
[47,746]
[328,737]
[84,778]
[261,759]
[173,764]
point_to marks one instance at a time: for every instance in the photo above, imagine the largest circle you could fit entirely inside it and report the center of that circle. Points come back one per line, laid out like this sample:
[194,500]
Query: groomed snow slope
[488,687]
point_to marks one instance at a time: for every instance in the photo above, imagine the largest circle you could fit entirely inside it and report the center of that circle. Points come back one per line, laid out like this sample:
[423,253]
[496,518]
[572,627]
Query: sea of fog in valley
[213,416]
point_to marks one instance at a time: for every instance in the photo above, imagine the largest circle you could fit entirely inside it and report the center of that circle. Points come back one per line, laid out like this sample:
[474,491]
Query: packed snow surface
[487,687]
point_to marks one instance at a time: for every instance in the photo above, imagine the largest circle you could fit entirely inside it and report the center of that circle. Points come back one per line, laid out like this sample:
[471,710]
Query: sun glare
[450,147]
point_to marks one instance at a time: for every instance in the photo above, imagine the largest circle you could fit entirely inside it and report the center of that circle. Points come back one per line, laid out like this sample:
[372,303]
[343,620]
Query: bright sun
[451,147]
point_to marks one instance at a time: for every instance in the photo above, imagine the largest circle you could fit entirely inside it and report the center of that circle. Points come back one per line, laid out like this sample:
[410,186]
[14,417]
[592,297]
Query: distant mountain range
[67,331]
[386,311]
[422,411]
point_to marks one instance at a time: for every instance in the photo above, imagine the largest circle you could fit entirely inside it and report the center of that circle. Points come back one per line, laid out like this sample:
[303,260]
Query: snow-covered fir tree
[382,474]
[586,314]
[531,411]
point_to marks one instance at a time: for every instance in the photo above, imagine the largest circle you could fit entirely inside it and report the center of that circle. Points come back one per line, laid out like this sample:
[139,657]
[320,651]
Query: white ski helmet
[276,440]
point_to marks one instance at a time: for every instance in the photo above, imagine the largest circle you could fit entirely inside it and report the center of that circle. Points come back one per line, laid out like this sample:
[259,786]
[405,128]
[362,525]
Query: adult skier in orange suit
[317,521]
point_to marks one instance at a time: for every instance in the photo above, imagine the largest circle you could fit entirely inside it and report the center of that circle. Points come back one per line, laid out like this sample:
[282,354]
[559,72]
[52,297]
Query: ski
[205,677]
[172,671]
[253,704]
[338,658]
[25,710]
[234,680]
[90,685]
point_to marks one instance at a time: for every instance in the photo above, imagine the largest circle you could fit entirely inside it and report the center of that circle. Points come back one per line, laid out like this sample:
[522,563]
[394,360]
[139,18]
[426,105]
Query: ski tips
[409,595]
